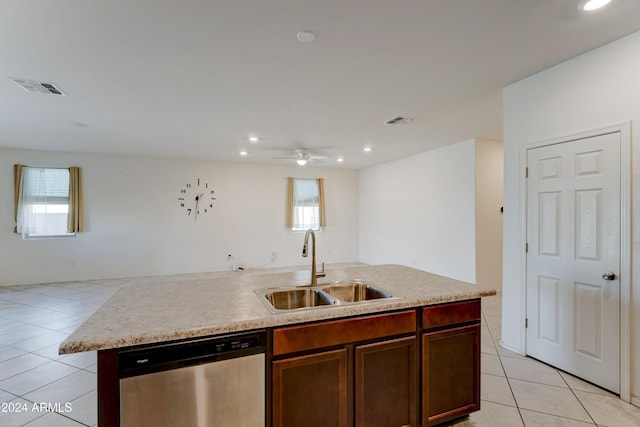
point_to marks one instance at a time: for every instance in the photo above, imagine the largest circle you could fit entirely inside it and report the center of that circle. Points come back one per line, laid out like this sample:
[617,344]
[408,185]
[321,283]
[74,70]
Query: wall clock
[196,198]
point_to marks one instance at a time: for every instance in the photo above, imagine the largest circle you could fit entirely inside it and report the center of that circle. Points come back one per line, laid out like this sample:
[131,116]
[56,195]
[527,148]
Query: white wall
[135,227]
[489,185]
[594,90]
[419,211]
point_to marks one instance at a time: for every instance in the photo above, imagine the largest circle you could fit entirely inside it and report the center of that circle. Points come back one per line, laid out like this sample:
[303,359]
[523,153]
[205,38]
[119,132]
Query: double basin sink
[286,299]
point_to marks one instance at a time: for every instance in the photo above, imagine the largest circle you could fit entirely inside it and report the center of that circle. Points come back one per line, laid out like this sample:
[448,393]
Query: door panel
[588,313]
[310,390]
[549,312]
[549,223]
[588,213]
[573,232]
[450,374]
[385,383]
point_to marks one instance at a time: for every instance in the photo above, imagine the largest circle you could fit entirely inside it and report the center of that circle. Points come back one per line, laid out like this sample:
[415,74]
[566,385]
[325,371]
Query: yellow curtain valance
[17,178]
[322,218]
[290,202]
[74,218]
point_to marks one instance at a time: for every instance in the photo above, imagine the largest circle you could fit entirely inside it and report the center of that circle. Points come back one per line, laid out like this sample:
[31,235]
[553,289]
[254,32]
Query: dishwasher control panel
[153,358]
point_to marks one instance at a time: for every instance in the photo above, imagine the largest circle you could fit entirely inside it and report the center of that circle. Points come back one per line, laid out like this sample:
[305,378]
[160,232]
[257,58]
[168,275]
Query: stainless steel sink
[289,299]
[342,293]
[355,292]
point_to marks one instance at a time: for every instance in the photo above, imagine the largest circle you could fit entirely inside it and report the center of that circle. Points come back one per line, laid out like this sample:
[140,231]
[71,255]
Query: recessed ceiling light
[244,153]
[340,159]
[595,4]
[367,149]
[254,139]
[306,36]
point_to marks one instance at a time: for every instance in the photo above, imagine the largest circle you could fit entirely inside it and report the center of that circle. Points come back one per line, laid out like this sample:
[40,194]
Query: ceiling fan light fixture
[302,156]
[595,5]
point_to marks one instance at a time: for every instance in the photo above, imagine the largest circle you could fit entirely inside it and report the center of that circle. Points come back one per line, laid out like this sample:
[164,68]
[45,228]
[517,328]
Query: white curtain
[43,201]
[306,212]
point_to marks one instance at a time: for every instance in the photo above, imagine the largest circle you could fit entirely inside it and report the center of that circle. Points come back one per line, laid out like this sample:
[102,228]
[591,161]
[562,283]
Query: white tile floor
[34,319]
[518,391]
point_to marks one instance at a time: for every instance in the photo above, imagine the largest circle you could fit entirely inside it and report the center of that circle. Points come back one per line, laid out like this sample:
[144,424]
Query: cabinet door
[450,374]
[310,391]
[386,384]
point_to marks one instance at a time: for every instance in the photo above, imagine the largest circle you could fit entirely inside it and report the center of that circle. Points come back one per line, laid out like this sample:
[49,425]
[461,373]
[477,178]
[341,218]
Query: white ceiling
[196,78]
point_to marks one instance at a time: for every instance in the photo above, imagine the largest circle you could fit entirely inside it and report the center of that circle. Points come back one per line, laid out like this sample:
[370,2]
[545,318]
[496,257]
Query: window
[305,204]
[47,202]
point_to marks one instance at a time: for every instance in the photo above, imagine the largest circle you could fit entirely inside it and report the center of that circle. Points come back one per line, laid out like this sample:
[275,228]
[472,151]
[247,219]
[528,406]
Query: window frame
[51,201]
[292,205]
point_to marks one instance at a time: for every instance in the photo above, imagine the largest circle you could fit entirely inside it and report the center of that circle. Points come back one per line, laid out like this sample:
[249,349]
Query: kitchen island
[430,321]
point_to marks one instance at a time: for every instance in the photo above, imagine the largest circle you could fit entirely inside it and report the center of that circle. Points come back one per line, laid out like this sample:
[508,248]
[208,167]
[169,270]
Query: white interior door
[573,235]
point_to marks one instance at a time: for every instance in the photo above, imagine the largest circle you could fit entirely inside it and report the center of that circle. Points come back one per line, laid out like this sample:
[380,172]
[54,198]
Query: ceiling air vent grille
[400,120]
[41,87]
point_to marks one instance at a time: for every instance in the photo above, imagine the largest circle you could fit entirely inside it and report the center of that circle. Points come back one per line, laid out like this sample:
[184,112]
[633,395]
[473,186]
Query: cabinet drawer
[450,314]
[335,332]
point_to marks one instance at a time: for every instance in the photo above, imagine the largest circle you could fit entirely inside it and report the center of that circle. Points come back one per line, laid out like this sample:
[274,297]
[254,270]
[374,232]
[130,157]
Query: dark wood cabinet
[406,368]
[450,362]
[386,384]
[370,371]
[360,371]
[310,390]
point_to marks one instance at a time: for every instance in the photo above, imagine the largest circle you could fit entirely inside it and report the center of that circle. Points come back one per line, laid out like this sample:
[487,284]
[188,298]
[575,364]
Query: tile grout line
[534,382]
[502,366]
[48,359]
[577,398]
[563,417]
[36,367]
[73,419]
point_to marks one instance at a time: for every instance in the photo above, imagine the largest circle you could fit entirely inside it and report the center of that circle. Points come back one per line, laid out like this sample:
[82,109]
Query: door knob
[609,276]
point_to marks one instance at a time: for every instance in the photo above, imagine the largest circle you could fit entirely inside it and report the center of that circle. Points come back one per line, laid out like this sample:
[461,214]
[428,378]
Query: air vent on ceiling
[400,120]
[41,87]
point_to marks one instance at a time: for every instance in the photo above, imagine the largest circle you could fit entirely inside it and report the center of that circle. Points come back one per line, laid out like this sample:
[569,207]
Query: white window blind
[306,204]
[43,202]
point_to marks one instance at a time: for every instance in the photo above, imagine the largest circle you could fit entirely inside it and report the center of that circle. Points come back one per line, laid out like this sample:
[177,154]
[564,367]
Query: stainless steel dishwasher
[206,382]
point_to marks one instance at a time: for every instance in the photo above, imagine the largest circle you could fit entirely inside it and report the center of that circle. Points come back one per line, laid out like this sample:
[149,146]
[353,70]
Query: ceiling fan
[303,156]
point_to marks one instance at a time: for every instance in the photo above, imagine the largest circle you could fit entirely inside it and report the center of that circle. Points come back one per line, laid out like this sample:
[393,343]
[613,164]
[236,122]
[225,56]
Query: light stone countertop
[159,309]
